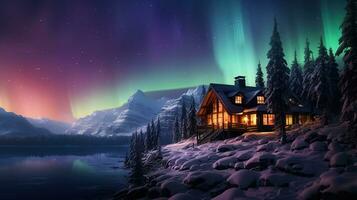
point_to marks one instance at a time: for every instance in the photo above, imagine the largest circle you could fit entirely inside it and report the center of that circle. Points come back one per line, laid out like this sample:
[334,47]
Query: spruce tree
[133,142]
[148,142]
[307,72]
[333,79]
[348,83]
[158,133]
[192,120]
[259,80]
[277,82]
[296,78]
[319,90]
[176,130]
[183,119]
[137,173]
[153,135]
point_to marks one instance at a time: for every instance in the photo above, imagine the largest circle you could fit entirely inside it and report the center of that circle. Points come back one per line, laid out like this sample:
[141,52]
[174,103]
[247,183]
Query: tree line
[319,84]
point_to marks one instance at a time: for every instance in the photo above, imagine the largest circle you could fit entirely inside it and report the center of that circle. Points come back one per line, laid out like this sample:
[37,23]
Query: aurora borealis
[64,59]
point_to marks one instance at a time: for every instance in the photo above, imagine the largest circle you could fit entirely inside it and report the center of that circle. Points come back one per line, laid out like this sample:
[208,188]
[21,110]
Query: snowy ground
[315,164]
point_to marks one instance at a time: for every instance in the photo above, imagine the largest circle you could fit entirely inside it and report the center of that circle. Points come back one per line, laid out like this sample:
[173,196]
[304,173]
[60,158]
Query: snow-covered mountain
[140,109]
[12,124]
[55,127]
[119,121]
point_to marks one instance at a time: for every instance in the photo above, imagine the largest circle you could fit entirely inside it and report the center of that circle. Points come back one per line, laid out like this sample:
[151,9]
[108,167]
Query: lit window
[289,120]
[214,107]
[253,120]
[220,107]
[260,100]
[238,100]
[209,119]
[268,119]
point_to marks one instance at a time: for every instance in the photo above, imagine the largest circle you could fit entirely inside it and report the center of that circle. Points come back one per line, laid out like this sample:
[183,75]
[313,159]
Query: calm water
[61,172]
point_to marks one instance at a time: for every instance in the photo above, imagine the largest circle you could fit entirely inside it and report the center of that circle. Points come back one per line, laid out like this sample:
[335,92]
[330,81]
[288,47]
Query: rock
[203,180]
[328,155]
[182,196]
[275,179]
[263,141]
[243,156]
[340,159]
[137,192]
[298,165]
[171,187]
[225,163]
[313,136]
[336,147]
[299,143]
[244,178]
[260,161]
[266,147]
[238,166]
[154,192]
[318,146]
[226,147]
[249,138]
[230,194]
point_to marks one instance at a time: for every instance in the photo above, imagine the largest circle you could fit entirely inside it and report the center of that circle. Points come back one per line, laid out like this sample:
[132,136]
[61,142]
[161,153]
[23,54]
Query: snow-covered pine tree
[348,83]
[333,79]
[277,82]
[132,149]
[319,90]
[307,72]
[183,119]
[148,142]
[142,141]
[259,80]
[295,78]
[192,120]
[158,133]
[126,160]
[153,135]
[176,130]
[137,173]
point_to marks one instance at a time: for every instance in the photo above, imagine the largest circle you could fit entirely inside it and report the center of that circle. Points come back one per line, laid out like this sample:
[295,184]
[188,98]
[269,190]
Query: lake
[61,172]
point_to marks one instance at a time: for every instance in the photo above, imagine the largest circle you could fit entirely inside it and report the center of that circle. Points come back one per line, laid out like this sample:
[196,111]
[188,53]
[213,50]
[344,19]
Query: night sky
[67,58]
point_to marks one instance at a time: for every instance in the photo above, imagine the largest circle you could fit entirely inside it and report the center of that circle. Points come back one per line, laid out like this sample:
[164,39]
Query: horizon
[65,60]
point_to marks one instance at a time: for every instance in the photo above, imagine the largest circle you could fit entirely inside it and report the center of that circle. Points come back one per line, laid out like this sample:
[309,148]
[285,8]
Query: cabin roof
[226,92]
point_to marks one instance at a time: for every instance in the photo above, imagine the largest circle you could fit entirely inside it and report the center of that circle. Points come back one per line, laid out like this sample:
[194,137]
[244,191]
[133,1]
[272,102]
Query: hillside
[312,165]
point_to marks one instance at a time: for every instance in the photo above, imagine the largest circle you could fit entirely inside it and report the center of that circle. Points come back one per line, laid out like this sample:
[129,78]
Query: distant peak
[137,96]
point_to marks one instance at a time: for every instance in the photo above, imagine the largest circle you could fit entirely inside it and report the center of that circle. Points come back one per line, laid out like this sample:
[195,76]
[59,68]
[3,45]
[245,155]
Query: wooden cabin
[239,108]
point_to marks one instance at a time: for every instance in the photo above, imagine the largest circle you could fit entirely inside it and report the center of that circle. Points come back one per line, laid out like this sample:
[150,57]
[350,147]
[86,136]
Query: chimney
[239,81]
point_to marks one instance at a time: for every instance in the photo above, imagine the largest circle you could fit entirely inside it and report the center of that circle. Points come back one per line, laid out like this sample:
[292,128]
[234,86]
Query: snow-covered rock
[225,163]
[303,165]
[244,178]
[340,159]
[318,146]
[203,180]
[226,147]
[299,143]
[260,161]
[230,194]
[171,187]
[181,196]
[244,155]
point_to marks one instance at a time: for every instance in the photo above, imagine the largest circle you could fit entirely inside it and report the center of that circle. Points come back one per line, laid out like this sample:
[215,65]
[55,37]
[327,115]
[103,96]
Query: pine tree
[319,90]
[183,119]
[137,174]
[348,83]
[158,133]
[277,82]
[153,135]
[192,120]
[307,72]
[176,131]
[259,80]
[142,141]
[333,79]
[296,78]
[148,142]
[132,149]
[126,160]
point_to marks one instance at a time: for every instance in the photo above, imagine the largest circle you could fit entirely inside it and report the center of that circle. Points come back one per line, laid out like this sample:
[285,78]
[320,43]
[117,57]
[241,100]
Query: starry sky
[64,59]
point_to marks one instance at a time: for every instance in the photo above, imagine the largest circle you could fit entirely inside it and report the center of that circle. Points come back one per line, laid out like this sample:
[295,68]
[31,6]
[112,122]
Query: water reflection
[61,173]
